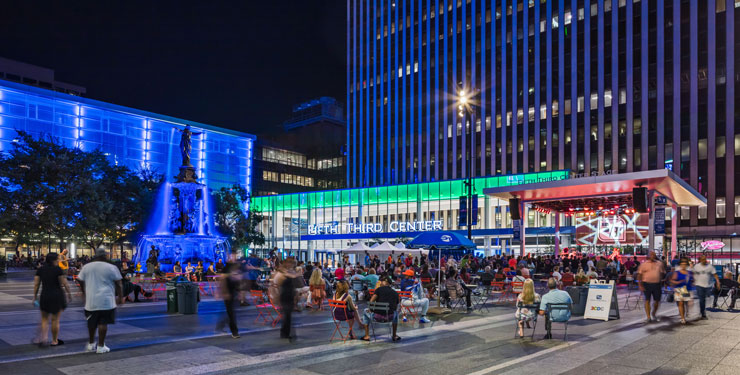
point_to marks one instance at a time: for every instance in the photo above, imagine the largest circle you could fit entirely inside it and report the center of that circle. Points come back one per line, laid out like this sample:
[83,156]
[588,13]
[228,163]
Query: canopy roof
[441,240]
[604,190]
[382,249]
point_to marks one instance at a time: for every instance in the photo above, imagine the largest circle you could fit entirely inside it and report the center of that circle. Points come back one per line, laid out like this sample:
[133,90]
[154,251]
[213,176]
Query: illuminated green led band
[426,191]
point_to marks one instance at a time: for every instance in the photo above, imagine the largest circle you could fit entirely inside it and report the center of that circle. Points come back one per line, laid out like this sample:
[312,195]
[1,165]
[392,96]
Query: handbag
[683,291]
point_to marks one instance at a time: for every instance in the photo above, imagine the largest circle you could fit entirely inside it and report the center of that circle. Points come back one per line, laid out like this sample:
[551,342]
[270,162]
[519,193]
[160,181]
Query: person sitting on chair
[177,268]
[526,298]
[555,295]
[409,284]
[384,294]
[727,284]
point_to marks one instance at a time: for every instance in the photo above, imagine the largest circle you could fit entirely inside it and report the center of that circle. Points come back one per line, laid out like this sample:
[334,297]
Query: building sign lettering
[393,226]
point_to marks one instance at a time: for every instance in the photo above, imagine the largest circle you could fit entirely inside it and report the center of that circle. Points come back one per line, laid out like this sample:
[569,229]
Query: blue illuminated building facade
[128,136]
[594,86]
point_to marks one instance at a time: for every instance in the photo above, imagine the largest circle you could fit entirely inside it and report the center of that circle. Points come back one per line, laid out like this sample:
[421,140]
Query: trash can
[579,295]
[171,289]
[187,298]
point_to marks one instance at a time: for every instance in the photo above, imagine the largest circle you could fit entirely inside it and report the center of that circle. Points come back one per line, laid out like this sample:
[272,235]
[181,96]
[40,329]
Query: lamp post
[465,107]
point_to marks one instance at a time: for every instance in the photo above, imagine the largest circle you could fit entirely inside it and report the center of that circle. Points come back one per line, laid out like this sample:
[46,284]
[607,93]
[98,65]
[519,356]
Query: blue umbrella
[442,241]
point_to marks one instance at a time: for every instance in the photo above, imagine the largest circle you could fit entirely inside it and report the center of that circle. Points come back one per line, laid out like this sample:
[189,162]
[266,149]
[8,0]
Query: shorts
[100,317]
[652,289]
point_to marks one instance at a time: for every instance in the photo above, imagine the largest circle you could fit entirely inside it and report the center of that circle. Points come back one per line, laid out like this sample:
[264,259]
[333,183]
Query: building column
[557,233]
[674,230]
[651,220]
[523,212]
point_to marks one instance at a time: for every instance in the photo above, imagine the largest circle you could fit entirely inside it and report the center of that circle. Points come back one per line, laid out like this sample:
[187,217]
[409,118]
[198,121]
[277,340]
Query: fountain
[181,227]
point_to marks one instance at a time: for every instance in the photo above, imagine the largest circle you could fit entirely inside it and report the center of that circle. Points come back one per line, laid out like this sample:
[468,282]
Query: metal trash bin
[187,298]
[171,290]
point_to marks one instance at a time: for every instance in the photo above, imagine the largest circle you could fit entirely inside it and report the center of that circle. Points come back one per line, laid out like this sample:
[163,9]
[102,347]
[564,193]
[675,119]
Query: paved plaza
[147,340]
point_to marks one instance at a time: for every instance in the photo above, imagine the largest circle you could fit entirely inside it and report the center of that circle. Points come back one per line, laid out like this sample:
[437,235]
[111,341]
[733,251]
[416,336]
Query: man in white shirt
[703,273]
[100,282]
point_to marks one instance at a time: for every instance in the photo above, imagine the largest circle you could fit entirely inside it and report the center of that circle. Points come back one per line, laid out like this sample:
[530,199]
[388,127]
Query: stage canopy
[605,191]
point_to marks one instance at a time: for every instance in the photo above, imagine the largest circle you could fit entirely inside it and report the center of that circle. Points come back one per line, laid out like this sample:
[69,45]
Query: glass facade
[330,220]
[586,85]
[128,136]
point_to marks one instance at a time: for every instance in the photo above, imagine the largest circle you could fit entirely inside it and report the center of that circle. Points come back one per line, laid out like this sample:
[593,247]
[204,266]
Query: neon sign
[712,245]
[393,226]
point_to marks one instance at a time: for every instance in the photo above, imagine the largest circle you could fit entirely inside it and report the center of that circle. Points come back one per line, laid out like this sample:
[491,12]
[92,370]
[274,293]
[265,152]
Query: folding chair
[725,294]
[535,308]
[549,309]
[382,308]
[339,309]
[411,310]
[498,289]
[479,302]
[357,287]
[455,299]
[265,309]
[634,295]
[430,286]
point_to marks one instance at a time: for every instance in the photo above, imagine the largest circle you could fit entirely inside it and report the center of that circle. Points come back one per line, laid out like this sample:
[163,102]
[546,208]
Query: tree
[233,221]
[46,187]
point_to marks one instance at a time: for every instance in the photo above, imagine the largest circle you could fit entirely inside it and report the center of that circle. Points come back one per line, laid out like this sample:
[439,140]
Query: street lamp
[464,107]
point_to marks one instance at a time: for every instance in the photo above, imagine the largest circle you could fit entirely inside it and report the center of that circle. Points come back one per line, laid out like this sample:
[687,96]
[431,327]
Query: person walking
[100,282]
[52,280]
[703,274]
[230,280]
[286,296]
[681,282]
[650,274]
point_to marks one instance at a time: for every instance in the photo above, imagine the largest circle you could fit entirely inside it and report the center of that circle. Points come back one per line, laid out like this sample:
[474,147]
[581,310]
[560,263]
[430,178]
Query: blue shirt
[556,296]
[253,274]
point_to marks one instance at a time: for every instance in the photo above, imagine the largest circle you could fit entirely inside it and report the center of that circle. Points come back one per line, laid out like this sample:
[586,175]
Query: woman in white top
[556,274]
[524,309]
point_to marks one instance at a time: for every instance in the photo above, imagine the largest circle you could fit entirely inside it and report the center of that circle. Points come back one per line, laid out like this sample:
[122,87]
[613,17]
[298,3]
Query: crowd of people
[290,286]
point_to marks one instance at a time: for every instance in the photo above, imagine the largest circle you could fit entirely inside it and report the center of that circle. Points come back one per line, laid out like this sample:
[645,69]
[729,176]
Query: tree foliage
[66,193]
[233,221]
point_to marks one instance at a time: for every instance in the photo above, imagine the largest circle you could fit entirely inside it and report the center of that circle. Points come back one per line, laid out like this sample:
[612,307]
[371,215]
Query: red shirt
[512,263]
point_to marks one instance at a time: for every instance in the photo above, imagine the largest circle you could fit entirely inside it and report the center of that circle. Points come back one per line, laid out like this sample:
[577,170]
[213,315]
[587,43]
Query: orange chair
[411,310]
[515,288]
[339,314]
[265,309]
[498,289]
[371,292]
[315,303]
[430,288]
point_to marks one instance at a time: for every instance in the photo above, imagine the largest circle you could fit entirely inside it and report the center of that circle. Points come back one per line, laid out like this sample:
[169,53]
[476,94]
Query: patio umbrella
[441,241]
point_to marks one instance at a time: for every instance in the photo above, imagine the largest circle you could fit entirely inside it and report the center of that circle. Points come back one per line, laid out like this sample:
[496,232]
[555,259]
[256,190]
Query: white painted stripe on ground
[322,353]
[576,361]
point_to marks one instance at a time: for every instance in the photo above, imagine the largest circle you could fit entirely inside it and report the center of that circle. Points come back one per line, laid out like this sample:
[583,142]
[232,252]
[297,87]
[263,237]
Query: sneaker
[405,319]
[103,349]
[90,348]
[704,317]
[648,321]
[656,318]
[233,336]
[424,320]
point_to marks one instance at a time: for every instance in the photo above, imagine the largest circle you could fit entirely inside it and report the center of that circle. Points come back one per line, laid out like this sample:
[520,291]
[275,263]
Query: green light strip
[427,191]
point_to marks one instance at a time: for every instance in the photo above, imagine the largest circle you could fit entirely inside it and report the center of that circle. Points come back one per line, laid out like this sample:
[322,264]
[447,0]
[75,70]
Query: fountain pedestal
[184,229]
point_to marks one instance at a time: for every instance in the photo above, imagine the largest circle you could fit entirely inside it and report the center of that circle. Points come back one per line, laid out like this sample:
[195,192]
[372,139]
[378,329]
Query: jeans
[423,303]
[702,293]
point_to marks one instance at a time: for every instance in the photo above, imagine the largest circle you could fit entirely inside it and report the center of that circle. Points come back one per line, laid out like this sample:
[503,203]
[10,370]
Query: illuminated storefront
[306,223]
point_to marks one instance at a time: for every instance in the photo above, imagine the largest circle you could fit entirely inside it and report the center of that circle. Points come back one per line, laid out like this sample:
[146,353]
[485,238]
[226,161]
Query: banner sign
[462,219]
[599,300]
[516,228]
[659,220]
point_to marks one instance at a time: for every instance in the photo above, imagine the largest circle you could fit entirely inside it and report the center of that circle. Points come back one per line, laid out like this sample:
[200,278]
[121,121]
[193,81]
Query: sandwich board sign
[601,302]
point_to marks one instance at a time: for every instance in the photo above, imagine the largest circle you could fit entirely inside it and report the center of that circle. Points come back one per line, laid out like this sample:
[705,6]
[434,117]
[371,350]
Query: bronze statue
[186,145]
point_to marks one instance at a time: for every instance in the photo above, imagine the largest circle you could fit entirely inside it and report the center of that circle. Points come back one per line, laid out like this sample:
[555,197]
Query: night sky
[239,64]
